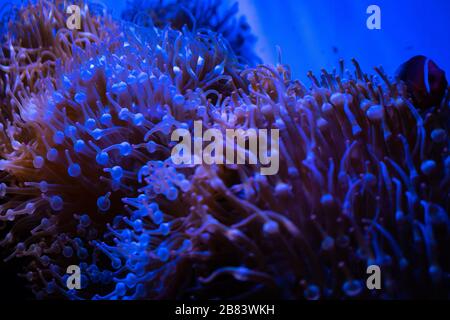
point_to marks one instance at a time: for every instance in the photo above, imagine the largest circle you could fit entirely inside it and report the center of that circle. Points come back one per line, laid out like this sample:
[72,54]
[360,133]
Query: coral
[86,176]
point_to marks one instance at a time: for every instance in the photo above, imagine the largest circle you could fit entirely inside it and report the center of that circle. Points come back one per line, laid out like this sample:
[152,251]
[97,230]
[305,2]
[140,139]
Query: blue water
[316,34]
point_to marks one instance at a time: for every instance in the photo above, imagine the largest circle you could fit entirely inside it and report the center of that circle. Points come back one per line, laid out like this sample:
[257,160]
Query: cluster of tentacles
[86,176]
[218,16]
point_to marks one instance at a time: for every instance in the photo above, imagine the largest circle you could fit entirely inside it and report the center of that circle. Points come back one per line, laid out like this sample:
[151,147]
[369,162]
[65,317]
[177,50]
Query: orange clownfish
[425,81]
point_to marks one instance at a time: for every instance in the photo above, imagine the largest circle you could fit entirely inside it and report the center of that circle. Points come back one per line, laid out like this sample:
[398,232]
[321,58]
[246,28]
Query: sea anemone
[363,181]
[86,176]
[93,131]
